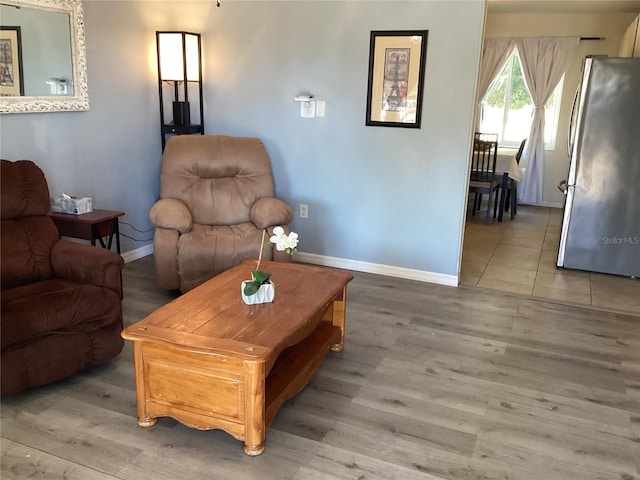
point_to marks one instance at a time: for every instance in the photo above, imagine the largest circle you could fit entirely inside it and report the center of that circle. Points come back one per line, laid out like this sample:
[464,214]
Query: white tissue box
[74,205]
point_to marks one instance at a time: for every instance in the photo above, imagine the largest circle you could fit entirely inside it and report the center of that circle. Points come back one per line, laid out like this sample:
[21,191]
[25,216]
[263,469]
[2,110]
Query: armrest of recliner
[87,264]
[171,213]
[269,212]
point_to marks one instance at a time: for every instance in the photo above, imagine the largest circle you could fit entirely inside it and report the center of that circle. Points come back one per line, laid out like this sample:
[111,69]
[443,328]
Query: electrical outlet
[304,210]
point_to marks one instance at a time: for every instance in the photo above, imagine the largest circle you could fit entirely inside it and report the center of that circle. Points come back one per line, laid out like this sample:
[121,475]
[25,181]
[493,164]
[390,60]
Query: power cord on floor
[137,230]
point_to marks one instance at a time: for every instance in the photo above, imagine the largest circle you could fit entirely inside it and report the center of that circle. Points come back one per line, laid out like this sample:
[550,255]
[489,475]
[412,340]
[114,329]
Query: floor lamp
[180,67]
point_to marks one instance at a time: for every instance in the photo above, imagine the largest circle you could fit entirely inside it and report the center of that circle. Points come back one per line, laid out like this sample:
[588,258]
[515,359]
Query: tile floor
[519,256]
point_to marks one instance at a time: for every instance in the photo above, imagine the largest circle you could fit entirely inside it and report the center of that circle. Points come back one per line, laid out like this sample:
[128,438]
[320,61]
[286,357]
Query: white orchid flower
[293,240]
[278,232]
[284,242]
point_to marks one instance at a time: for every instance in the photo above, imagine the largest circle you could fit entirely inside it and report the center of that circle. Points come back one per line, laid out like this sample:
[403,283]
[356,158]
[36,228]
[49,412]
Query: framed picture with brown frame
[11,82]
[396,78]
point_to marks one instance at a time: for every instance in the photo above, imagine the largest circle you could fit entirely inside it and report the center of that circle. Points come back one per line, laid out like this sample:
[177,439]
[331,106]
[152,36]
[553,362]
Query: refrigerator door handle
[569,191]
[562,186]
[570,136]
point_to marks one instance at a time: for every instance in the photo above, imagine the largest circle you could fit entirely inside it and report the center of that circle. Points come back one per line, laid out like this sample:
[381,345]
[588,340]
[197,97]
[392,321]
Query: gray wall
[390,197]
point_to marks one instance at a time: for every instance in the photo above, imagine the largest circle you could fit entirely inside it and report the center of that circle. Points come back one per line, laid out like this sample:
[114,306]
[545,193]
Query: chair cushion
[218,177]
[27,233]
[41,308]
[25,249]
[209,250]
[57,356]
[24,189]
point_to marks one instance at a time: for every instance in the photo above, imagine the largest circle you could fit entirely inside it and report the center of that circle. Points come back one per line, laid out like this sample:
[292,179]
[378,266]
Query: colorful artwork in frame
[396,78]
[11,82]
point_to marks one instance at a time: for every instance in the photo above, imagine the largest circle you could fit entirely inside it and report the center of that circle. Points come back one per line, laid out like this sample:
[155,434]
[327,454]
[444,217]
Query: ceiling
[563,6]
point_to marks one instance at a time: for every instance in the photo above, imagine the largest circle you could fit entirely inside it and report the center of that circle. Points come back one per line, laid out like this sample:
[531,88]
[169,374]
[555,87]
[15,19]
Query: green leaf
[260,277]
[250,288]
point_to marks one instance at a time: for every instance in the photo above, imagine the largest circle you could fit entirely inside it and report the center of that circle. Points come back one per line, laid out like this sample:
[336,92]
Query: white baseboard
[388,270]
[143,251]
[545,204]
[356,265]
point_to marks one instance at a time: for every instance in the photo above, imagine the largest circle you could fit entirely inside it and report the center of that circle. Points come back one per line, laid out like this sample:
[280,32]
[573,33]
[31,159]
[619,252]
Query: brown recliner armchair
[216,197]
[61,304]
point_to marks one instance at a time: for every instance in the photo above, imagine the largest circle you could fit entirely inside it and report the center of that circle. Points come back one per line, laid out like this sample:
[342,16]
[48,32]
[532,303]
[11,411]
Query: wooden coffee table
[212,362]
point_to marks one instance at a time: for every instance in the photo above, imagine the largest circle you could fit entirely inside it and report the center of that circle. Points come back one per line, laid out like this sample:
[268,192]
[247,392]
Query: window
[507,108]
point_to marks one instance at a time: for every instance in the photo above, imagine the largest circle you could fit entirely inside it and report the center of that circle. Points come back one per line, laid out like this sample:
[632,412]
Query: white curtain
[544,61]
[494,53]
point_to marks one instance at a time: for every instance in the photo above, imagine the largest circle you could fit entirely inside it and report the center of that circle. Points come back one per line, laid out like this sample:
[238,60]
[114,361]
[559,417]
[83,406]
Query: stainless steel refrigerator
[601,220]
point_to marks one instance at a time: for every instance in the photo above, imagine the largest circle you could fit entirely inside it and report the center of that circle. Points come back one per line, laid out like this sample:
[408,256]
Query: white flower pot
[265,294]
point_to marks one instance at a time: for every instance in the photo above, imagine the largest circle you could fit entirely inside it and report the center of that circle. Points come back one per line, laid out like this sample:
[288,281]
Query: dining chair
[511,197]
[483,172]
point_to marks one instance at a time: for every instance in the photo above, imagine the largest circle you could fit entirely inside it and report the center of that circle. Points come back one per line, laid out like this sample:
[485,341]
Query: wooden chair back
[520,151]
[484,156]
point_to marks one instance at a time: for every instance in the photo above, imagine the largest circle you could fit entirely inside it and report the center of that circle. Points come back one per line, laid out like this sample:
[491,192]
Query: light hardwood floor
[435,383]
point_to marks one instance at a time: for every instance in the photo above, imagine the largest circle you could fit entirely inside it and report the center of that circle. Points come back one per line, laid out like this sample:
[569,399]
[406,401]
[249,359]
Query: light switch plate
[308,109]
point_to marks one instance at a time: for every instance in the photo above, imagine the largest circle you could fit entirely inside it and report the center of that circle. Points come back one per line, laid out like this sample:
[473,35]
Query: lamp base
[181,113]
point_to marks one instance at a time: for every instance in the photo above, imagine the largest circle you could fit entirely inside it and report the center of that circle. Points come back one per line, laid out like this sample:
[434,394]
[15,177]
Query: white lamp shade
[170,51]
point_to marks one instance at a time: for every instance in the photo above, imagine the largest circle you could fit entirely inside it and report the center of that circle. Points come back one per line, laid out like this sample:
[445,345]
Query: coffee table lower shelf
[211,390]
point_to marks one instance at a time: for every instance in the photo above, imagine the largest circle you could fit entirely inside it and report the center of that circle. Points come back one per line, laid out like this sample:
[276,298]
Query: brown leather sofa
[216,197]
[61,301]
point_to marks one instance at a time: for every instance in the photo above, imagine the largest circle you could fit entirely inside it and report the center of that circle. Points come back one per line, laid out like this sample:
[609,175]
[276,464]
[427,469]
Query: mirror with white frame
[43,66]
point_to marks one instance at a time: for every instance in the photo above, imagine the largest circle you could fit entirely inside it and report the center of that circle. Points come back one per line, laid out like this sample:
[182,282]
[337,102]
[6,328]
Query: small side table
[92,226]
